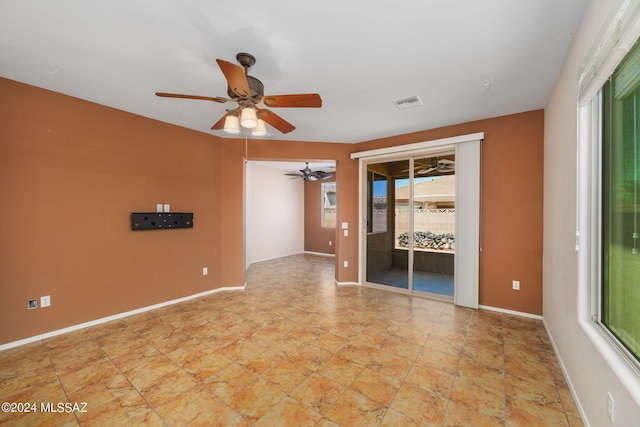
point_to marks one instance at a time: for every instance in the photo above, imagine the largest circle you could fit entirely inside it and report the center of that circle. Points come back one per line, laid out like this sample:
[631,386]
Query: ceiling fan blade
[426,170]
[312,100]
[236,78]
[202,98]
[274,120]
[322,175]
[220,123]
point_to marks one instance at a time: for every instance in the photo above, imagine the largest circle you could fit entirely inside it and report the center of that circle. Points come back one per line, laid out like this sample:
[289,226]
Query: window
[620,204]
[328,205]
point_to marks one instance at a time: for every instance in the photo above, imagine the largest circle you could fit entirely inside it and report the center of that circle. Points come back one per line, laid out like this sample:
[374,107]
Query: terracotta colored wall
[71,173]
[511,204]
[316,237]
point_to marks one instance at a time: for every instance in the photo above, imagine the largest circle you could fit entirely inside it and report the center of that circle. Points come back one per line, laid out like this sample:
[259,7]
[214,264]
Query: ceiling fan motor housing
[255,86]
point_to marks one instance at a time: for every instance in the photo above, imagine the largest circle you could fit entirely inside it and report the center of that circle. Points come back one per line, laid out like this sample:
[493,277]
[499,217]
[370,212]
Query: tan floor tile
[430,379]
[186,406]
[95,373]
[521,413]
[444,361]
[260,362]
[459,415]
[389,364]
[442,344]
[420,405]
[39,418]
[128,409]
[379,387]
[340,370]
[256,400]
[489,356]
[277,352]
[129,354]
[394,418]
[354,409]
[479,397]
[220,416]
[289,412]
[188,351]
[318,392]
[310,356]
[142,376]
[230,380]
[167,387]
[330,342]
[469,368]
[207,367]
[533,369]
[533,391]
[286,375]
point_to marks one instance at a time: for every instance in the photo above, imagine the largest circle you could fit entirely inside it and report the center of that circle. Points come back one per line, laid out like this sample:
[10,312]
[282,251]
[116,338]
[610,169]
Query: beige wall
[275,213]
[591,371]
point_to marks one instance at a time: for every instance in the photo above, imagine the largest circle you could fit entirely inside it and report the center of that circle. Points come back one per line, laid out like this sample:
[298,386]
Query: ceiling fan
[309,175]
[252,112]
[437,165]
[434,166]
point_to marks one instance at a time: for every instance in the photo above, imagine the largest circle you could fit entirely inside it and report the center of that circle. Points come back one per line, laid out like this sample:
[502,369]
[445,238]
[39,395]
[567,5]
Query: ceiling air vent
[404,103]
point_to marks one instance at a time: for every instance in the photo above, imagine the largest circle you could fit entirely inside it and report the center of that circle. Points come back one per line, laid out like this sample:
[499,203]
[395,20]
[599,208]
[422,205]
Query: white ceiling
[466,59]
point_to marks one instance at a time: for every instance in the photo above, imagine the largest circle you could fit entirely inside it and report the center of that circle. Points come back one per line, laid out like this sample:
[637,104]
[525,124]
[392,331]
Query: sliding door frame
[467,152]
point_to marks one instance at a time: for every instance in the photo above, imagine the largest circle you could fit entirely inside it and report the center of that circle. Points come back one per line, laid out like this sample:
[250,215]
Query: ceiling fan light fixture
[260,129]
[232,125]
[248,118]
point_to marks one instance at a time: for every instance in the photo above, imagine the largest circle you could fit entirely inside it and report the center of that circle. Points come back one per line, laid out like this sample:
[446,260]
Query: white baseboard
[319,253]
[114,317]
[347,283]
[583,415]
[515,313]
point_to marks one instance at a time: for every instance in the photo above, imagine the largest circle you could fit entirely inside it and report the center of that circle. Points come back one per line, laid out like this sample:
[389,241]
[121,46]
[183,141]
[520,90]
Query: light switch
[346,233]
[167,207]
[345,225]
[159,207]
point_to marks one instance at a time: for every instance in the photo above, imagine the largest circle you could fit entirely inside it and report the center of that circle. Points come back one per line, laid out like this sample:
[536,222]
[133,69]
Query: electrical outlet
[611,407]
[32,303]
[167,208]
[346,264]
[158,207]
[45,301]
[330,243]
[516,285]
[205,271]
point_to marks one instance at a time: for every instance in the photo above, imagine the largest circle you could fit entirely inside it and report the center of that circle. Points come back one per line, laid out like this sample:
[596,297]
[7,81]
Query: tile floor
[295,350]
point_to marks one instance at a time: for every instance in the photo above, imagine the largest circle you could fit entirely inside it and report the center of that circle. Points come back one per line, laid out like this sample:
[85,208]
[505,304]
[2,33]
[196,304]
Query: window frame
[323,195]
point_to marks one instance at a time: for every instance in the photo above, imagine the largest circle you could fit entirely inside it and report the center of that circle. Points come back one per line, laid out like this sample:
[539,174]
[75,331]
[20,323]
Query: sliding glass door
[410,240]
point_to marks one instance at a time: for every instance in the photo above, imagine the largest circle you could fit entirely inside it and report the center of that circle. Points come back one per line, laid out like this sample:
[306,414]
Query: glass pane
[621,217]
[434,224]
[329,204]
[386,264]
